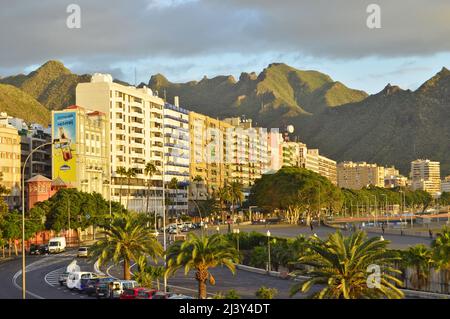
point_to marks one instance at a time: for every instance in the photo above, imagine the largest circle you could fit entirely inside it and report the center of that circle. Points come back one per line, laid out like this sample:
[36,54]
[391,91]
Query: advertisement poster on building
[64,157]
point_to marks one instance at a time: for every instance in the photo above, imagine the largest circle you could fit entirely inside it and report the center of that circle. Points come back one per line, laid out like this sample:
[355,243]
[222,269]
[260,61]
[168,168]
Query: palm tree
[148,273]
[130,173]
[224,196]
[121,171]
[341,264]
[126,239]
[441,253]
[149,170]
[200,253]
[419,257]
[235,193]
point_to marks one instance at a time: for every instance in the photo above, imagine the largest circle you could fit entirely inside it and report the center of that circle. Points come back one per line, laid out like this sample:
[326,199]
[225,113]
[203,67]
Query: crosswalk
[52,277]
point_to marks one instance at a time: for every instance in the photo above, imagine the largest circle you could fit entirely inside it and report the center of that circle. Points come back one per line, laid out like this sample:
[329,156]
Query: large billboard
[64,148]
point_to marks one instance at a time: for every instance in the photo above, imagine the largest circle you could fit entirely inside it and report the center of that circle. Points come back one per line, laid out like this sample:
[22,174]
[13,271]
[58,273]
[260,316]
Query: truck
[57,245]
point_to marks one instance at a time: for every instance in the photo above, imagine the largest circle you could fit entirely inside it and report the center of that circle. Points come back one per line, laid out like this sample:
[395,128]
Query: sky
[188,39]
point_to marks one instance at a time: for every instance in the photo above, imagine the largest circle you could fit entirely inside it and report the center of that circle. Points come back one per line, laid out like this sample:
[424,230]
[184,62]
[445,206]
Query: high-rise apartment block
[425,175]
[358,175]
[177,156]
[445,184]
[135,133]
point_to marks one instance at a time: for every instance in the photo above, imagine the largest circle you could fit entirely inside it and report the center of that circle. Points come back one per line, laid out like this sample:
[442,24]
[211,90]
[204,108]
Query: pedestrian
[311,226]
[382,229]
[431,233]
[401,232]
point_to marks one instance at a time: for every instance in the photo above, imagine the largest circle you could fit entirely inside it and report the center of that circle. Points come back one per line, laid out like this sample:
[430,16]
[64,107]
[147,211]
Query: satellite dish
[290,129]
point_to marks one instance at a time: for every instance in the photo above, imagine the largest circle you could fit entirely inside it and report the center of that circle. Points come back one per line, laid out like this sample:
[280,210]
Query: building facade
[136,138]
[426,175]
[445,184]
[360,174]
[177,156]
[328,168]
[80,156]
[10,161]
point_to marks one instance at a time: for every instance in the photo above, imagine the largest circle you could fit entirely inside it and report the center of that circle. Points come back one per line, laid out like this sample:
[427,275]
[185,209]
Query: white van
[57,245]
[74,279]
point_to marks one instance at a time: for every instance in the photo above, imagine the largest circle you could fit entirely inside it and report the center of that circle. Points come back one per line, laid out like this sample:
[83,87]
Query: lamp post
[375,216]
[23,216]
[268,248]
[236,231]
[385,209]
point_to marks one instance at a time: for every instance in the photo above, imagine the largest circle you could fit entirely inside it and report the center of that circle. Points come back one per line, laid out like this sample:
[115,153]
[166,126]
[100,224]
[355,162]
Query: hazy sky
[187,39]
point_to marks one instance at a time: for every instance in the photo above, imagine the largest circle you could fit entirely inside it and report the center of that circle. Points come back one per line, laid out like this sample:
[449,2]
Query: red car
[146,294]
[131,293]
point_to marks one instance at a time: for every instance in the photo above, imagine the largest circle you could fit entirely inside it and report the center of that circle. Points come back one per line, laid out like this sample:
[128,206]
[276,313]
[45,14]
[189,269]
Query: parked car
[185,229]
[57,245]
[44,250]
[38,249]
[74,279]
[131,293]
[82,252]
[173,231]
[90,288]
[117,287]
[62,279]
[146,293]
[102,287]
[84,282]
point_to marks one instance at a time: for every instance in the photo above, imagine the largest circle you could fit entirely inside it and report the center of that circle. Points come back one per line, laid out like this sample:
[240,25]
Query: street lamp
[236,231]
[385,209]
[268,247]
[23,215]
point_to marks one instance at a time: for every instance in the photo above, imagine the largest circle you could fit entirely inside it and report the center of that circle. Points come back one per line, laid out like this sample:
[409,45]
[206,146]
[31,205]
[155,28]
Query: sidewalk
[402,232]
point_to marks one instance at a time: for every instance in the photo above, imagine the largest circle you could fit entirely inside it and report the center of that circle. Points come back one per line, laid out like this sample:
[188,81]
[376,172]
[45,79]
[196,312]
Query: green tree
[130,174]
[342,264]
[441,253]
[200,253]
[223,195]
[419,258]
[126,240]
[445,199]
[236,196]
[295,190]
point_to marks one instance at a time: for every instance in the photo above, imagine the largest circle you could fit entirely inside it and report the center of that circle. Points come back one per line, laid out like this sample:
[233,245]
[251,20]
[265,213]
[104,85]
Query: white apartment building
[426,175]
[136,136]
[177,156]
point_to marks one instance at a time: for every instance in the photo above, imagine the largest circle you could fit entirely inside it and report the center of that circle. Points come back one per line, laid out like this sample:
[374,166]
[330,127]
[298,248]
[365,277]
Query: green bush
[266,293]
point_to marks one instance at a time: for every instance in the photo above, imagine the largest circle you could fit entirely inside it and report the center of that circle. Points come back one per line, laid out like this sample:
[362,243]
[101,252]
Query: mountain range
[392,127]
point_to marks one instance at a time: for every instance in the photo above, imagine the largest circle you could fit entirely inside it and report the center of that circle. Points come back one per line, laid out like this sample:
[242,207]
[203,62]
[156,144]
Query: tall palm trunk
[201,276]
[126,269]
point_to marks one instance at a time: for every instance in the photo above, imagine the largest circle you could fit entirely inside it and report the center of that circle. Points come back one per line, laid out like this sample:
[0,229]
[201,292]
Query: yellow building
[358,175]
[294,154]
[207,159]
[82,160]
[328,169]
[10,170]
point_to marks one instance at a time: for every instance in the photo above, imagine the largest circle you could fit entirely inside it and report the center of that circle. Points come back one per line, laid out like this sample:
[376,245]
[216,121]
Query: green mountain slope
[17,103]
[53,85]
[279,91]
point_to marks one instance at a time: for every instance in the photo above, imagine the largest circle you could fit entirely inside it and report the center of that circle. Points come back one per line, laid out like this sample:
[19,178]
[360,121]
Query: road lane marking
[52,278]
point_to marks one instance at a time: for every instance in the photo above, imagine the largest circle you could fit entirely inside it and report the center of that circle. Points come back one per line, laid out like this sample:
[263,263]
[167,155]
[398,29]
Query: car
[84,282]
[34,249]
[131,293]
[74,279]
[62,279]
[117,287]
[185,229]
[90,287]
[146,293]
[44,250]
[102,287]
[82,252]
[173,231]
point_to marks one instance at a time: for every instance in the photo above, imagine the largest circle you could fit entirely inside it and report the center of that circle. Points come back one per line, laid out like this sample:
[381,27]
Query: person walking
[431,233]
[382,229]
[311,226]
